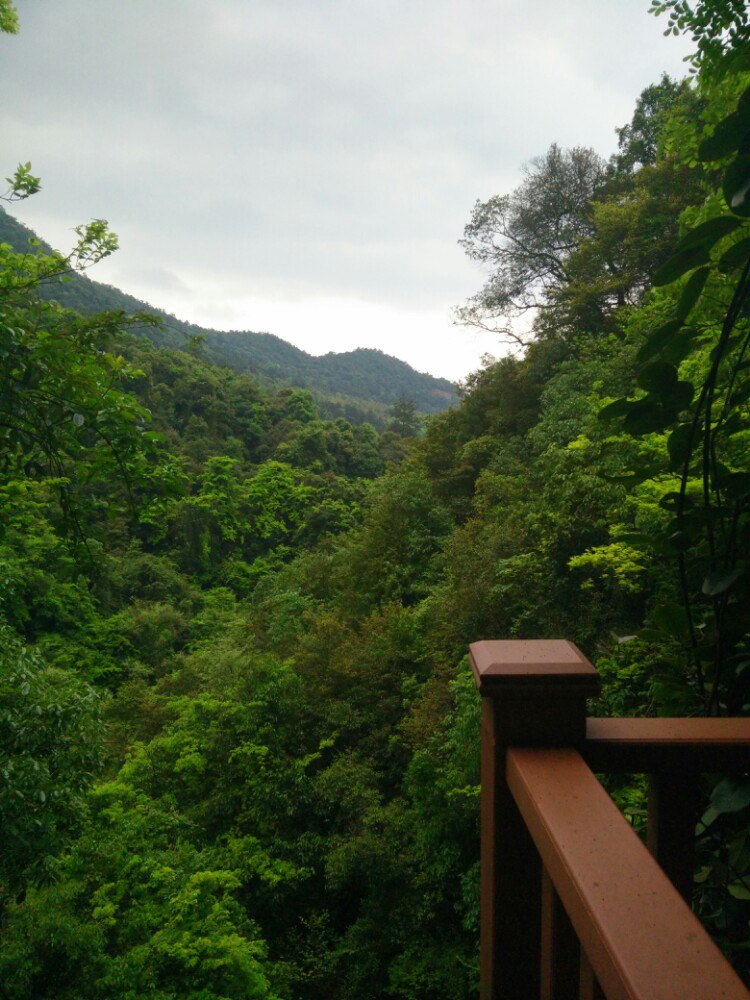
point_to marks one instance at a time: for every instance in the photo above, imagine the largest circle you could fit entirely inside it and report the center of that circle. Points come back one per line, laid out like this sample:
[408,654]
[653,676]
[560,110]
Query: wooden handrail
[646,746]
[642,940]
[571,900]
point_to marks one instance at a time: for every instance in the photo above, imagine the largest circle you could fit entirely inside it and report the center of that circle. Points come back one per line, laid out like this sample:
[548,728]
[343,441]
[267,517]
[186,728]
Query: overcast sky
[306,167]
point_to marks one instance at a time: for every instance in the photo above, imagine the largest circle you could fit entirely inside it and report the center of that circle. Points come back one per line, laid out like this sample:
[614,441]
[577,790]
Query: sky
[307,167]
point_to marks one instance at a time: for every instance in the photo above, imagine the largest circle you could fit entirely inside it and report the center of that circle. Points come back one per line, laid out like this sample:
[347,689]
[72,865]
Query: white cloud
[281,155]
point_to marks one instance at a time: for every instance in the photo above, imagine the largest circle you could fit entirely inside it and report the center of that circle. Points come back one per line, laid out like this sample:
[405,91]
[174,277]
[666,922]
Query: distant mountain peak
[365,373]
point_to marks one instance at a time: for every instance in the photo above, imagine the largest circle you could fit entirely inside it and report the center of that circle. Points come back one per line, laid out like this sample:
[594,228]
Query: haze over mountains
[364,374]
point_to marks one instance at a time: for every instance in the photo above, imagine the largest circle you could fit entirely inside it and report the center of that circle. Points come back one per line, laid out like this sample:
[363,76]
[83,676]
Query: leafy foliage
[240,739]
[359,385]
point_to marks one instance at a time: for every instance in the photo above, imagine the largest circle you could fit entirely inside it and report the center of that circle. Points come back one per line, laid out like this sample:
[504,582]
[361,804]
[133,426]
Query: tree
[525,239]
[638,141]
[61,389]
[692,369]
[404,417]
[8,17]
[720,29]
[52,741]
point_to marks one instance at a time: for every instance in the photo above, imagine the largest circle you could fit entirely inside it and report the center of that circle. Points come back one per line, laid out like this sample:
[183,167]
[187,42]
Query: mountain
[364,374]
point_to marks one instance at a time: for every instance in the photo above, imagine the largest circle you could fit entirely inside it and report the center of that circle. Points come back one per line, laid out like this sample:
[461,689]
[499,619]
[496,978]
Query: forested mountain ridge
[364,374]
[240,737]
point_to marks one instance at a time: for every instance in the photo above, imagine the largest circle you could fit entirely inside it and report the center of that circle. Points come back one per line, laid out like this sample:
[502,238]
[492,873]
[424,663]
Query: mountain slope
[363,374]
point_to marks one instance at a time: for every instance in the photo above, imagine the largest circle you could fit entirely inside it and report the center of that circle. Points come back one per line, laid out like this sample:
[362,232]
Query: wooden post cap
[521,665]
[537,689]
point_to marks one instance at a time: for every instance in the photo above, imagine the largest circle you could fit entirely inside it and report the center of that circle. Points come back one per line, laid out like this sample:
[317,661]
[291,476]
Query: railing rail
[573,904]
[639,936]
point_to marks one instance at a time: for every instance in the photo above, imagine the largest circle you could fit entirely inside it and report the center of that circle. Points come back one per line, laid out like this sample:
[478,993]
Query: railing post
[561,952]
[670,831]
[533,695]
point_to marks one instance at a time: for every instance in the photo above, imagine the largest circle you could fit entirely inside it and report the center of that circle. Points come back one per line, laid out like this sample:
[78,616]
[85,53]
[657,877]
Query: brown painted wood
[539,686]
[534,694]
[647,746]
[672,815]
[589,987]
[641,939]
[510,882]
[512,663]
[587,981]
[560,949]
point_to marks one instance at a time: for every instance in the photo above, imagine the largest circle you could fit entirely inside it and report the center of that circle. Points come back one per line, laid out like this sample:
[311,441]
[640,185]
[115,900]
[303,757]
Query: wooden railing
[573,905]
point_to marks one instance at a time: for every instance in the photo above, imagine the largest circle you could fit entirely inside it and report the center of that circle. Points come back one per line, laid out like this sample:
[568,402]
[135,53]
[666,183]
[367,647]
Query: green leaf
[671,619]
[726,139]
[672,500]
[678,446]
[708,233]
[702,874]
[680,346]
[650,635]
[731,794]
[736,485]
[629,480]
[736,256]
[680,264]
[720,581]
[637,539]
[679,396]
[736,186]
[661,336]
[646,416]
[658,377]
[739,889]
[692,291]
[669,690]
[708,817]
[617,409]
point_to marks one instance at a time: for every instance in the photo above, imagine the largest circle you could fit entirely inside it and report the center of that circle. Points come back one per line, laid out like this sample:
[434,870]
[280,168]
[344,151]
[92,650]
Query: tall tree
[525,239]
[404,417]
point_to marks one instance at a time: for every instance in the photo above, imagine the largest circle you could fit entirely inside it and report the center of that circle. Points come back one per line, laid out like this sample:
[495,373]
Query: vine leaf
[708,233]
[731,794]
[681,263]
[736,187]
[678,396]
[675,500]
[679,348]
[739,889]
[678,445]
[661,336]
[726,139]
[731,133]
[671,619]
[619,408]
[692,291]
[646,416]
[735,256]
[658,377]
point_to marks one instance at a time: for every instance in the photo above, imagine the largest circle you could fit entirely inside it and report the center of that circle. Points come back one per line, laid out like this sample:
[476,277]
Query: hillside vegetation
[240,736]
[360,377]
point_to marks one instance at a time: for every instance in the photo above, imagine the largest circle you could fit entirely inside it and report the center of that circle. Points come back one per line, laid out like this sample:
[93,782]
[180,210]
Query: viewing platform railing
[573,905]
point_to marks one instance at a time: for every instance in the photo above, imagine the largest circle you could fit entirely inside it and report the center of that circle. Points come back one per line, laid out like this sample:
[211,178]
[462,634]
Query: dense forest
[240,739]
[359,385]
